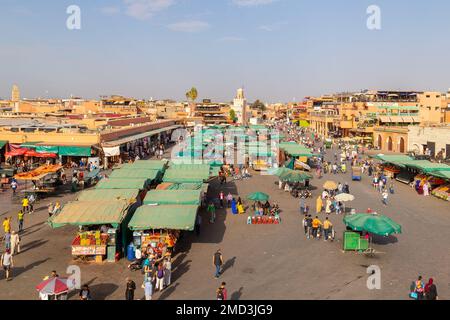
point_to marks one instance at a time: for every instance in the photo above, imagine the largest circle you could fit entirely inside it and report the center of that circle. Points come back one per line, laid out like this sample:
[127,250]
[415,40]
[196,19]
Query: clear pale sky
[277,49]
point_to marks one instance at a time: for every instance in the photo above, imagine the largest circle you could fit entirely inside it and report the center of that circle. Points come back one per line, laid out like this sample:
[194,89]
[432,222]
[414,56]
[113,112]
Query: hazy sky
[277,49]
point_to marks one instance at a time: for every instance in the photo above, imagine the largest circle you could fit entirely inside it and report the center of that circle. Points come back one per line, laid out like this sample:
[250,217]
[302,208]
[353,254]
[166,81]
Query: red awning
[16,152]
[32,153]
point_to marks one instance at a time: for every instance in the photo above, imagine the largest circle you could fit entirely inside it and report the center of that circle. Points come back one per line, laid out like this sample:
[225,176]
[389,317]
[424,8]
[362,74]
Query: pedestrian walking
[221,293]
[419,288]
[148,288]
[218,262]
[167,271]
[7,225]
[316,223]
[385,196]
[15,243]
[431,290]
[14,186]
[31,202]
[20,220]
[85,293]
[212,211]
[7,263]
[327,226]
[229,199]
[221,198]
[160,278]
[319,205]
[25,203]
[131,287]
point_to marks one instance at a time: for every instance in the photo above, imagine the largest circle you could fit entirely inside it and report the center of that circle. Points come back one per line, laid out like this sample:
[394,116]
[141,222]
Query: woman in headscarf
[234,206]
[431,290]
[319,204]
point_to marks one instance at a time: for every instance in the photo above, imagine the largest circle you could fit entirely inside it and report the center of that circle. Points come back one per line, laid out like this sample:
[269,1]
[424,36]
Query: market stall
[155,226]
[101,225]
[44,179]
[139,184]
[169,197]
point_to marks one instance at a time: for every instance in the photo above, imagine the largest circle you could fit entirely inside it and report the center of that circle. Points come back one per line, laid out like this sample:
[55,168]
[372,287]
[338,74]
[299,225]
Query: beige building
[432,138]
[432,108]
[15,94]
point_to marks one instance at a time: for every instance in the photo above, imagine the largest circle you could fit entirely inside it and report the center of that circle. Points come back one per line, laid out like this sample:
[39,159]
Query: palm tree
[192,96]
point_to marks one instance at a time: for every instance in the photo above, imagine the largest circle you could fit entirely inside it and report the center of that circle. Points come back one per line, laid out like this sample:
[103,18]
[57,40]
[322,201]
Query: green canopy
[373,223]
[186,176]
[258,196]
[189,186]
[295,150]
[441,174]
[3,143]
[137,173]
[427,166]
[165,197]
[277,171]
[171,217]
[146,164]
[397,160]
[86,213]
[294,176]
[47,149]
[141,183]
[108,194]
[74,151]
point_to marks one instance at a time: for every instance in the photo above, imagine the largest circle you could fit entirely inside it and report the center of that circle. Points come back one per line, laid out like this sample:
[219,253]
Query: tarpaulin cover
[164,197]
[122,184]
[180,175]
[111,151]
[171,217]
[85,213]
[108,194]
[49,149]
[74,151]
[135,174]
[146,164]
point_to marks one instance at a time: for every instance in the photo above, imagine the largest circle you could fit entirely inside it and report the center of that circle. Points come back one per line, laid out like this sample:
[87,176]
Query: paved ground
[263,261]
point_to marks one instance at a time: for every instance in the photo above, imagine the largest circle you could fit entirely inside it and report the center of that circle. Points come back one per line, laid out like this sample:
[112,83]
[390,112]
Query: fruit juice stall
[101,226]
[156,226]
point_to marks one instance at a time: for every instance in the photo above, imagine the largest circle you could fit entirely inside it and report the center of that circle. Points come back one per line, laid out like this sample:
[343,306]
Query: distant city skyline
[277,49]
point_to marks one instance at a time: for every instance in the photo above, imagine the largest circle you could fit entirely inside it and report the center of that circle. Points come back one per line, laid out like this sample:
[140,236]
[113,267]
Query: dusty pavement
[262,261]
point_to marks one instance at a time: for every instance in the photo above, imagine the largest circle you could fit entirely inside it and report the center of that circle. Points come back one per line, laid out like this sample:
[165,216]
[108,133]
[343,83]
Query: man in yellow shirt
[25,205]
[327,227]
[316,223]
[7,225]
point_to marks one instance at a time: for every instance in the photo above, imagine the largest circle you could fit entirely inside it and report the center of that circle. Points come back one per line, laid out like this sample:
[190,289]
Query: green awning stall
[108,194]
[3,143]
[138,184]
[295,150]
[137,173]
[441,174]
[30,145]
[171,197]
[168,217]
[426,166]
[74,151]
[146,164]
[47,149]
[397,160]
[88,213]
[186,176]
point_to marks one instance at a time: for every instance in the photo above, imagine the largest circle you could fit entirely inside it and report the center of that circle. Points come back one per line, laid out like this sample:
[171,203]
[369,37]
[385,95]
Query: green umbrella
[373,223]
[258,196]
[294,176]
[277,171]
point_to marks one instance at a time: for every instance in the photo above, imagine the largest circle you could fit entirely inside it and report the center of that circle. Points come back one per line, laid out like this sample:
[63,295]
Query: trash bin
[130,252]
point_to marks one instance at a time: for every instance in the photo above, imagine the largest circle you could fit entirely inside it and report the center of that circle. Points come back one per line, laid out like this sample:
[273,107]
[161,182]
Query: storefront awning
[138,136]
[3,143]
[170,217]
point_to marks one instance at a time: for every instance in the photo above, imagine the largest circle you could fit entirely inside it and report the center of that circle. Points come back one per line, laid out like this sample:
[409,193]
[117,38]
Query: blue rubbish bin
[130,252]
